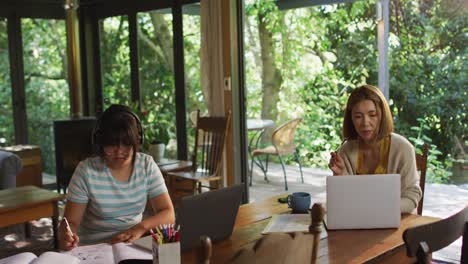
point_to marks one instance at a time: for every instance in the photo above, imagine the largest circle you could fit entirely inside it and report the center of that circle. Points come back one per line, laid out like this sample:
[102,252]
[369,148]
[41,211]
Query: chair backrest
[10,166]
[193,117]
[210,137]
[205,250]
[422,240]
[421,165]
[283,136]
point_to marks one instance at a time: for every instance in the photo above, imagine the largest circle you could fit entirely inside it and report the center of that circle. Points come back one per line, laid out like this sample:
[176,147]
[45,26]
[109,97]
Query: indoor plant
[157,139]
[156,133]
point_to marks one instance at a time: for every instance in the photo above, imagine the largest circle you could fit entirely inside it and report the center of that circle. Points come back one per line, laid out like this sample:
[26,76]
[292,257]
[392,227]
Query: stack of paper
[288,223]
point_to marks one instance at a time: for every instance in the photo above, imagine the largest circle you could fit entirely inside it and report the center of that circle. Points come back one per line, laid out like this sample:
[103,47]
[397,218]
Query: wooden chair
[286,247]
[210,137]
[282,141]
[205,251]
[421,165]
[422,240]
[193,120]
[10,167]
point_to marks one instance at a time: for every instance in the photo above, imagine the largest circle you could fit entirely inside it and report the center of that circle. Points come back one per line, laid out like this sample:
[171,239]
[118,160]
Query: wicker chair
[282,141]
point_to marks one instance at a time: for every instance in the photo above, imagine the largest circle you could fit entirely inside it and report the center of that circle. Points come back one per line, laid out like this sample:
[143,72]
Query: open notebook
[92,254]
[107,253]
[45,258]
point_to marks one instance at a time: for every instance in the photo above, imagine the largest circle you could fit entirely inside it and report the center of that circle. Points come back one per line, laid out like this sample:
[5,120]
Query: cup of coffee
[299,202]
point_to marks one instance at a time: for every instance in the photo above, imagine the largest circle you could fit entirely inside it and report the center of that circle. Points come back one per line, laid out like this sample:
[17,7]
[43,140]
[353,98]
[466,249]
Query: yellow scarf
[383,160]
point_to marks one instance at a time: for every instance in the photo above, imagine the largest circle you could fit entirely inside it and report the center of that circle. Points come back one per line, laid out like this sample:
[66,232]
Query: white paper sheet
[99,253]
[21,258]
[107,253]
[124,251]
[287,223]
[144,242]
[51,257]
[48,257]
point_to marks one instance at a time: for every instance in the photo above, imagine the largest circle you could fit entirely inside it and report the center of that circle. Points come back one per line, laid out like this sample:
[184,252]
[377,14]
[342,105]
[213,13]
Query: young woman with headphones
[107,193]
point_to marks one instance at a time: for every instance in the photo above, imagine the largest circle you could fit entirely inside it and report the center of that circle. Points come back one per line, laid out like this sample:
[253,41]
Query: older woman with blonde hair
[371,147]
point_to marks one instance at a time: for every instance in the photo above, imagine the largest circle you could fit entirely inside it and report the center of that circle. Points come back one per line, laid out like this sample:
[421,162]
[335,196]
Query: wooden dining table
[26,203]
[341,246]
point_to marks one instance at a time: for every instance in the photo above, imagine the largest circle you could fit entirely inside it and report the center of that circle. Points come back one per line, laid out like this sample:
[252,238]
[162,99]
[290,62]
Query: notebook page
[21,258]
[99,253]
[123,251]
[144,242]
[51,257]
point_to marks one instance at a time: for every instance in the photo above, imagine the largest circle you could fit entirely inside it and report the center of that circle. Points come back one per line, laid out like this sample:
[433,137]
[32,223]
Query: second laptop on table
[211,213]
[363,201]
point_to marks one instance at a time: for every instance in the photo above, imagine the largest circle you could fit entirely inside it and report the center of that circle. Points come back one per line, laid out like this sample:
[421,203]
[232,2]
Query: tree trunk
[164,40]
[271,76]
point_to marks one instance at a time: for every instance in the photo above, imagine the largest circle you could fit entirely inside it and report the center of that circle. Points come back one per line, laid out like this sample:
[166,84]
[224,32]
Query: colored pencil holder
[166,253]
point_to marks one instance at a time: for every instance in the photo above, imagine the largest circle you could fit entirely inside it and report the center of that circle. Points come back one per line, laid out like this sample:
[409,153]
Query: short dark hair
[117,125]
[372,93]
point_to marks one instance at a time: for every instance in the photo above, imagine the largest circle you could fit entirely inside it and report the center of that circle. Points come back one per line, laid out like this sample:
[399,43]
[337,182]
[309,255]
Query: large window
[194,97]
[301,62]
[45,79]
[6,111]
[115,60]
[156,65]
[304,61]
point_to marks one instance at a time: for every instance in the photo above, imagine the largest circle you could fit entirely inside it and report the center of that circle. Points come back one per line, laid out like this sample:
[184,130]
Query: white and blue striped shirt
[113,206]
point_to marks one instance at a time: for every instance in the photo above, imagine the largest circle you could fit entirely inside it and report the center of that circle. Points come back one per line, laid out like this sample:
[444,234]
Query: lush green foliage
[156,131]
[115,60]
[6,111]
[45,82]
[326,51]
[437,169]
[157,109]
[429,78]
[322,52]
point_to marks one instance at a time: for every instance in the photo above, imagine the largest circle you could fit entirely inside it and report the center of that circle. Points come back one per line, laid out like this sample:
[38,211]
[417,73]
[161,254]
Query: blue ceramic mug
[299,202]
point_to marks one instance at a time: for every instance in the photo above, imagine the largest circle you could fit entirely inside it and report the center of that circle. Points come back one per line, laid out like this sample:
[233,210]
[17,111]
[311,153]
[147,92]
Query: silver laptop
[211,213]
[363,201]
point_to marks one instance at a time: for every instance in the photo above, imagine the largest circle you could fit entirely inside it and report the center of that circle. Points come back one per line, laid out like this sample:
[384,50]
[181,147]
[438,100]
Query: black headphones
[112,110]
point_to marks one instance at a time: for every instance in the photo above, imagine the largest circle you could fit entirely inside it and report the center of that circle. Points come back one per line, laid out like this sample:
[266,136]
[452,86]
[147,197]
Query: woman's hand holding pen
[336,163]
[68,239]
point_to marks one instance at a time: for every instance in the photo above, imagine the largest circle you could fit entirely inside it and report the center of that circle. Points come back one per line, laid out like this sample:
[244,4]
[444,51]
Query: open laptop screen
[363,201]
[211,213]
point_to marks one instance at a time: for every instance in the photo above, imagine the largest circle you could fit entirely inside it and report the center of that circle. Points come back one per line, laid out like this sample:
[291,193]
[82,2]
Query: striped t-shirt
[113,206]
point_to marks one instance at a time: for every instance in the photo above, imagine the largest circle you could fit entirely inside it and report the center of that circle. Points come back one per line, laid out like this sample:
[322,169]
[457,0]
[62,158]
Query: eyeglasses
[117,148]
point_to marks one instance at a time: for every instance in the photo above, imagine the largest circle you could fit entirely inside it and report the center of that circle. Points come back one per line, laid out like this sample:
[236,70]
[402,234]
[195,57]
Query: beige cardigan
[401,160]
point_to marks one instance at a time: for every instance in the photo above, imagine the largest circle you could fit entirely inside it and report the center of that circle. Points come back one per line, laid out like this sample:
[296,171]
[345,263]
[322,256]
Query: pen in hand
[67,225]
[336,162]
[70,239]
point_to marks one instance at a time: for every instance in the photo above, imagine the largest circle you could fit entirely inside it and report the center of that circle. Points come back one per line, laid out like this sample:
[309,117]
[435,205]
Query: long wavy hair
[372,93]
